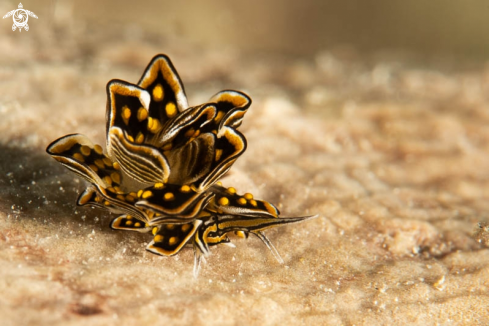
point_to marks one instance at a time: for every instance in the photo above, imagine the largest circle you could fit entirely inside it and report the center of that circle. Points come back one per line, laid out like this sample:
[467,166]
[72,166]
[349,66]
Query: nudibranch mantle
[162,163]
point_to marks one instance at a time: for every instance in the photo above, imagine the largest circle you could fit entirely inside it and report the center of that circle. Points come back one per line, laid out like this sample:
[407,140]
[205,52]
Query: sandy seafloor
[392,152]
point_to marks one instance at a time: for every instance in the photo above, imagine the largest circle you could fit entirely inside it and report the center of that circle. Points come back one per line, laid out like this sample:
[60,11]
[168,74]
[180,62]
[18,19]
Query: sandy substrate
[391,152]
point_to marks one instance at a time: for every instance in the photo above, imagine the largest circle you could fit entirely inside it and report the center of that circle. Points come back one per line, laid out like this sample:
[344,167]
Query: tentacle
[269,245]
[198,259]
[215,228]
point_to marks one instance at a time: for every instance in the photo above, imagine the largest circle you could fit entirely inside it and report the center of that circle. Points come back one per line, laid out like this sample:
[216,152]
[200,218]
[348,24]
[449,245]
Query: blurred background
[441,27]
[325,56]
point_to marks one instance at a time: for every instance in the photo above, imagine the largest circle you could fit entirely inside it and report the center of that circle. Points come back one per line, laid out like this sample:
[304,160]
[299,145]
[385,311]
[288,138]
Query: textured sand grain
[392,155]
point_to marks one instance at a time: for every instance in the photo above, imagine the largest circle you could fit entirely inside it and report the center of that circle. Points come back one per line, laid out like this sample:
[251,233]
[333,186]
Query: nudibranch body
[162,164]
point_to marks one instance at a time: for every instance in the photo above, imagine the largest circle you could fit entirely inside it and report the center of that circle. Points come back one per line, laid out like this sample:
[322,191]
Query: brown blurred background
[457,28]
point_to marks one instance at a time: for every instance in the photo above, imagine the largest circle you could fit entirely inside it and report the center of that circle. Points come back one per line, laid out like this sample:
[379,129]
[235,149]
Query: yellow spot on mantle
[153,125]
[185,227]
[223,201]
[168,196]
[158,238]
[146,194]
[139,138]
[218,154]
[172,241]
[158,93]
[85,150]
[171,109]
[126,114]
[108,180]
[107,161]
[142,114]
[98,149]
[116,177]
[248,196]
[79,157]
[158,185]
[241,201]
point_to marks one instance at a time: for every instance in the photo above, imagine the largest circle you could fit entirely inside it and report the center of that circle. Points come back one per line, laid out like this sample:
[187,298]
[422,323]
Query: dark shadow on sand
[34,186]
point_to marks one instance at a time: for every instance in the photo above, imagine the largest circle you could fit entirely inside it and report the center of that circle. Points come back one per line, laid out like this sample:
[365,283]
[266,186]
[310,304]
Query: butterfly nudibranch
[162,163]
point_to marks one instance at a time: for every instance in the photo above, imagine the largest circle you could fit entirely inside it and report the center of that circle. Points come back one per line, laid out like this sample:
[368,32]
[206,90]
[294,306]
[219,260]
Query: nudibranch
[162,163]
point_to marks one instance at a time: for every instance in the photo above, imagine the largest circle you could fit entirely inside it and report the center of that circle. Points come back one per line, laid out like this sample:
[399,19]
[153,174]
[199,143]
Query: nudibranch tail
[214,231]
